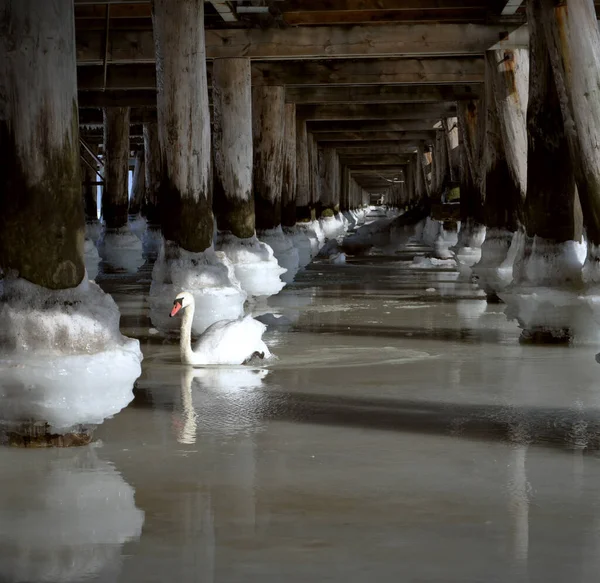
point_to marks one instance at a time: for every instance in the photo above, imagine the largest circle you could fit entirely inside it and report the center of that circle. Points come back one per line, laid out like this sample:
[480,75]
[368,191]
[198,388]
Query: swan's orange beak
[176,307]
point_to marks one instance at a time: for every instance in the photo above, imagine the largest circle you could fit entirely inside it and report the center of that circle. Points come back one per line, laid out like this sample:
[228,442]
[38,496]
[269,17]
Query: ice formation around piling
[209,276]
[80,514]
[284,251]
[121,249]
[254,264]
[63,359]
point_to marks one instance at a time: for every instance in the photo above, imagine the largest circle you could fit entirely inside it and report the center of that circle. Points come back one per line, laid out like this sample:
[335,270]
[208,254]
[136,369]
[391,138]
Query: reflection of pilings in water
[518,505]
[64,517]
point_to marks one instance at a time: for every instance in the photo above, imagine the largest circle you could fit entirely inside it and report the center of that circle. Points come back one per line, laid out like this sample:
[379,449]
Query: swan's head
[182,301]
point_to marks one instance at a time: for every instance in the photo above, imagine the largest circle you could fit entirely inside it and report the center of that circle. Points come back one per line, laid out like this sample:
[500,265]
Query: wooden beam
[385,40]
[382,93]
[306,95]
[336,72]
[381,149]
[354,137]
[370,71]
[340,145]
[372,125]
[378,111]
[381,160]
[336,17]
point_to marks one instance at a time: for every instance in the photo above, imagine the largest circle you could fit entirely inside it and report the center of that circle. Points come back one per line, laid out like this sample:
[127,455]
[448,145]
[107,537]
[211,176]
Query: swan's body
[224,342]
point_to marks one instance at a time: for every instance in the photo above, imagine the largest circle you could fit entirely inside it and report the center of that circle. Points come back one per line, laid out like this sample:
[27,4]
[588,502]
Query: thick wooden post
[315,177]
[552,215]
[90,176]
[183,123]
[232,143]
[574,46]
[138,184]
[330,188]
[303,195]
[503,186]
[551,210]
[288,188]
[152,169]
[115,196]
[268,118]
[41,209]
[471,196]
[451,131]
[410,182]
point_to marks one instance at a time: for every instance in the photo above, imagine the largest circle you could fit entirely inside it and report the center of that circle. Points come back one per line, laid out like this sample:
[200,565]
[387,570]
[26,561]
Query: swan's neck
[185,343]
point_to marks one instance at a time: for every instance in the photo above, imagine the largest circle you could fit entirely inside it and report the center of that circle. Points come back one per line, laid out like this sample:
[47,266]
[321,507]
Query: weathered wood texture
[471,196]
[424,166]
[441,168]
[330,183]
[399,138]
[183,123]
[41,208]
[551,211]
[115,195]
[574,47]
[138,184]
[345,188]
[337,72]
[410,182]
[503,193]
[268,119]
[153,171]
[361,111]
[382,93]
[288,187]
[90,170]
[359,126]
[314,172]
[298,43]
[302,171]
[450,125]
[232,147]
[375,146]
[510,84]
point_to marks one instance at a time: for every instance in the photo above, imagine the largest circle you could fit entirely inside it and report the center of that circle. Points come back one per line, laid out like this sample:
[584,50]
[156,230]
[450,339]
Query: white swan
[224,342]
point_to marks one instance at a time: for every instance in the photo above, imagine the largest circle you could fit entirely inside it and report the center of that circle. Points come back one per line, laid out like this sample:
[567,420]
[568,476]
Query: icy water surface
[403,434]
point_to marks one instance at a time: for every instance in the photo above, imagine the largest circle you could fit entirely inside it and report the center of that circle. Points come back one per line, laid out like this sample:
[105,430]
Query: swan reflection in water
[64,516]
[224,400]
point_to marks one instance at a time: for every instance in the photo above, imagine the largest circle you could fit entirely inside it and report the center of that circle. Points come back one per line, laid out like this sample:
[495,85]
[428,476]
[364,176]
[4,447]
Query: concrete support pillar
[138,185]
[573,40]
[268,114]
[41,211]
[288,189]
[303,192]
[115,196]
[183,123]
[232,143]
[153,172]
